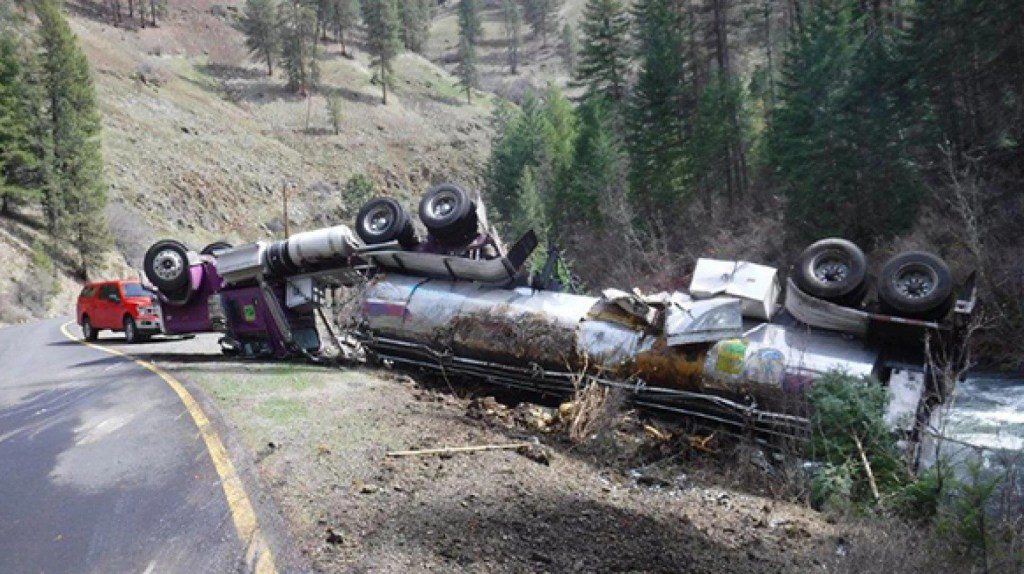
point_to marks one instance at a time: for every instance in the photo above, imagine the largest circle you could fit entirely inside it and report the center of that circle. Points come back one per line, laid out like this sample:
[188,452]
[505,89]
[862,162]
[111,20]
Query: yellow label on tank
[730,356]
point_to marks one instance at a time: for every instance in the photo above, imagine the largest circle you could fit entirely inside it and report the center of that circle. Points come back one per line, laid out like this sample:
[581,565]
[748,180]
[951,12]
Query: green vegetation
[604,56]
[298,24]
[512,18]
[470,31]
[74,192]
[415,24]
[850,438]
[259,24]
[542,15]
[383,38]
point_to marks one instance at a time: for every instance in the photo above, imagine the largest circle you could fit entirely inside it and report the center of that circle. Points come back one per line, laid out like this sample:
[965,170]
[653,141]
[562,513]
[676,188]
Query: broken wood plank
[453,449]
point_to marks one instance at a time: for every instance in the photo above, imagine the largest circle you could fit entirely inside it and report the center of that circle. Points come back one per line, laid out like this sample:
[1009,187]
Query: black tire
[382,220]
[834,270]
[88,332]
[447,211]
[916,285]
[216,247]
[166,266]
[131,331]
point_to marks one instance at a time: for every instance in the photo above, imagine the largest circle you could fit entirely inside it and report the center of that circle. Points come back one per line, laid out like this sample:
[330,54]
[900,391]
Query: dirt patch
[321,436]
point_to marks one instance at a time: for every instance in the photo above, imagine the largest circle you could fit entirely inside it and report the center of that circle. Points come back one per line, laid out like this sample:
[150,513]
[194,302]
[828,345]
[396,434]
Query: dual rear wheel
[914,284]
[446,210]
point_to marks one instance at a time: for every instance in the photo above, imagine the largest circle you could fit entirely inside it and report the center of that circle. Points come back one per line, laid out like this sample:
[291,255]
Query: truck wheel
[88,331]
[215,248]
[382,220]
[131,332]
[916,284]
[166,266]
[448,213]
[832,269]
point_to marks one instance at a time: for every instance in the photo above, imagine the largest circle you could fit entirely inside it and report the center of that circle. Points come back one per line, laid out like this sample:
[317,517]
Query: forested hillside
[749,129]
[635,136]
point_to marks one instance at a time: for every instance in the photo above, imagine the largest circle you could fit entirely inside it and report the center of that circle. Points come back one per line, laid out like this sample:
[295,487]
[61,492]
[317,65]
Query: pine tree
[469,35]
[570,48]
[260,26]
[466,70]
[837,142]
[415,24]
[297,25]
[604,57]
[75,193]
[512,16]
[18,157]
[530,210]
[383,27]
[344,17]
[598,164]
[660,107]
[470,25]
[542,15]
[519,135]
[719,139]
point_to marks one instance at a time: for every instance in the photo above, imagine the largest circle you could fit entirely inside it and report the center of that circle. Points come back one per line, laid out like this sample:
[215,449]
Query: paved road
[101,467]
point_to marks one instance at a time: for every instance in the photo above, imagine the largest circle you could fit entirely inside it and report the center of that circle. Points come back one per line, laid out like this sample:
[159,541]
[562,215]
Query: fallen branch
[451,449]
[867,467]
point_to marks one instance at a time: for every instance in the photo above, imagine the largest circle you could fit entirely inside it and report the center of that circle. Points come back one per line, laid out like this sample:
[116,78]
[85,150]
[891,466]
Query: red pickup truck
[120,305]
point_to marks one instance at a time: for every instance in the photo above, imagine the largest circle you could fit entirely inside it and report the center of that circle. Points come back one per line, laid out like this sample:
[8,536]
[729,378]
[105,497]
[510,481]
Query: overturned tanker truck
[736,348]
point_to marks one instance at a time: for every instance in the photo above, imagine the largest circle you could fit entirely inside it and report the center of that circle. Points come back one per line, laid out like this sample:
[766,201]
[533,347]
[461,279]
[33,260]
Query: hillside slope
[199,143]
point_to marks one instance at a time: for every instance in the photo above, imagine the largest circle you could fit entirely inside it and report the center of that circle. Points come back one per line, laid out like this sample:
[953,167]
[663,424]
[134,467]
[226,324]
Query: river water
[988,413]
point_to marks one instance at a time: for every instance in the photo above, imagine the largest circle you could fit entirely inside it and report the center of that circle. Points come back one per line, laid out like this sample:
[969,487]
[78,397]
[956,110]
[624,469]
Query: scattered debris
[454,449]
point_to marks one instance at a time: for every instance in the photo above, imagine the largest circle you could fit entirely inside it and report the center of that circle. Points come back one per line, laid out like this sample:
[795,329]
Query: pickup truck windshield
[135,290]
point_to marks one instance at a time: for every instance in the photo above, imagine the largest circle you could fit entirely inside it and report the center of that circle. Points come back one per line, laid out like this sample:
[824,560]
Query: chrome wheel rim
[168,264]
[915,281]
[443,205]
[129,331]
[830,267]
[379,220]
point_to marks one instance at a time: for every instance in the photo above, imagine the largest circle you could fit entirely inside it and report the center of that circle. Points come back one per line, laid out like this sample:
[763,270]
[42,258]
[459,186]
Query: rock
[369,489]
[334,537]
[536,453]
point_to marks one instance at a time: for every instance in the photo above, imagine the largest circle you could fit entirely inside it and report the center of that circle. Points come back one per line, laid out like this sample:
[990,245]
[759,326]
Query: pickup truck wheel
[166,266]
[832,269]
[917,285]
[215,248]
[131,332]
[382,220]
[88,331]
[448,213]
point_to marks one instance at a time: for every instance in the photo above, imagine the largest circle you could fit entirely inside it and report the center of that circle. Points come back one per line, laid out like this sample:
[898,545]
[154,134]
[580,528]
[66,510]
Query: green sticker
[730,356]
[250,313]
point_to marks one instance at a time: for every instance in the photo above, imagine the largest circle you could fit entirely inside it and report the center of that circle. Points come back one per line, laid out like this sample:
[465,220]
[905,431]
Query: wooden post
[284,201]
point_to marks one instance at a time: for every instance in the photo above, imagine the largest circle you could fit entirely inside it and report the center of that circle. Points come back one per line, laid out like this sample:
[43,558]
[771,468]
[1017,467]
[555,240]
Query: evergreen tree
[554,161]
[470,30]
[344,17]
[512,16]
[530,210]
[383,27]
[18,158]
[660,107]
[260,26]
[604,57]
[75,193]
[598,163]
[570,48]
[466,70]
[837,143]
[297,24]
[542,15]
[718,141]
[470,25]
[416,24]
[519,136]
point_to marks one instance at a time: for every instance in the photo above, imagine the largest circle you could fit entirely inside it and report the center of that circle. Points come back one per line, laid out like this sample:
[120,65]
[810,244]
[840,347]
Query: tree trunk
[384,84]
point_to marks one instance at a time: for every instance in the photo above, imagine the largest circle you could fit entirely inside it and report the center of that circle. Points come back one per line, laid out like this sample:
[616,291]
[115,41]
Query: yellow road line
[242,513]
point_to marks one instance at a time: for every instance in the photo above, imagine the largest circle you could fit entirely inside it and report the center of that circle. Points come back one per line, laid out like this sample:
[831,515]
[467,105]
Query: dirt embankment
[321,436]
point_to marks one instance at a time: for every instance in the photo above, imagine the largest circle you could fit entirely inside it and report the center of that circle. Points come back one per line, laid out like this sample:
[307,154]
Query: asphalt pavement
[102,469]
